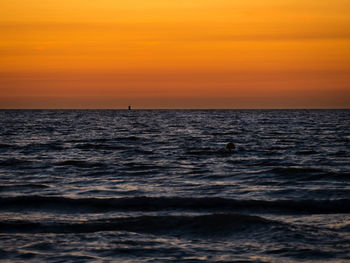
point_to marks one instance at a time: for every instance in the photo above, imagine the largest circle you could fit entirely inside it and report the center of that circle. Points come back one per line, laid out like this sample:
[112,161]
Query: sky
[175,54]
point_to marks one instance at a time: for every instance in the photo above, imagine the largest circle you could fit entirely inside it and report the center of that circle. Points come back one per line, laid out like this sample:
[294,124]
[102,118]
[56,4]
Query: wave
[105,140]
[206,151]
[294,170]
[33,147]
[309,173]
[13,162]
[306,152]
[4,187]
[54,146]
[212,224]
[93,147]
[142,203]
[6,146]
[81,164]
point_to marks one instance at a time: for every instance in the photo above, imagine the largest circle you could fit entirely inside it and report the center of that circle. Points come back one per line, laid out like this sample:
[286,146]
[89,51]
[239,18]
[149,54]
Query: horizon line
[135,109]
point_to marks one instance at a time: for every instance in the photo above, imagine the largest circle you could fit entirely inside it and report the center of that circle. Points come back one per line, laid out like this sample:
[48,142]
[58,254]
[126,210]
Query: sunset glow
[175,54]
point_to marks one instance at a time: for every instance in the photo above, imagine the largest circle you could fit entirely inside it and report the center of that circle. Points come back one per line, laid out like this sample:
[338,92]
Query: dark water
[159,186]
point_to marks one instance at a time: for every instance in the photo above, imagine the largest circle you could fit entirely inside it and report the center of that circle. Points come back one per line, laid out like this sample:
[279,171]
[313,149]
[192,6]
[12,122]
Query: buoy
[230,146]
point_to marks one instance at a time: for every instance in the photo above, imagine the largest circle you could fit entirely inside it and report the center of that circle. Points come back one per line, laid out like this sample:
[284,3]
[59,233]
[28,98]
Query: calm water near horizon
[159,186]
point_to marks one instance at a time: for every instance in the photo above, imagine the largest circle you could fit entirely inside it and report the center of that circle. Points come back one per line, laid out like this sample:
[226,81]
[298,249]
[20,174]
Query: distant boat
[129,107]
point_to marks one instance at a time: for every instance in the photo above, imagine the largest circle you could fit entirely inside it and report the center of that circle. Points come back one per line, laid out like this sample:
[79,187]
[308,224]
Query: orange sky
[175,54]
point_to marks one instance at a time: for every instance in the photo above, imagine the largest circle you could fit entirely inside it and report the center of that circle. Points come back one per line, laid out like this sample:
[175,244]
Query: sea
[160,186]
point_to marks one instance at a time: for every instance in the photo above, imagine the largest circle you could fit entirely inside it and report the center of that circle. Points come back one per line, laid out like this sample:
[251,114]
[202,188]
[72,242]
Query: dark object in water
[129,107]
[230,146]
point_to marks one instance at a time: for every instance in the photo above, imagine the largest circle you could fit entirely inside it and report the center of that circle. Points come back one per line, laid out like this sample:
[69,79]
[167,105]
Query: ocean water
[159,186]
